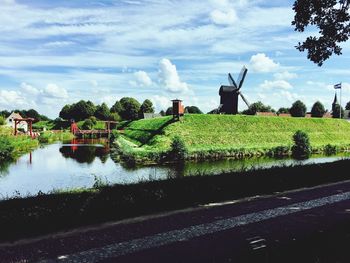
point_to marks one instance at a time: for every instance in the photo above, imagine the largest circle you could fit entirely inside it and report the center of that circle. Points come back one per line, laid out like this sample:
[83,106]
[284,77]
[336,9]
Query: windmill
[229,94]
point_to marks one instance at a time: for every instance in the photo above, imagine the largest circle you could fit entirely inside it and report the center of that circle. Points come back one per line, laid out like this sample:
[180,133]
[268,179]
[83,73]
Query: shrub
[279,151]
[6,148]
[301,148]
[317,110]
[298,109]
[2,120]
[178,150]
[330,149]
[88,124]
[114,135]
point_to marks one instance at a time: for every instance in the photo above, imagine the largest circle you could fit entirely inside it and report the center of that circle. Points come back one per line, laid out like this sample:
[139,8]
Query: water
[76,164]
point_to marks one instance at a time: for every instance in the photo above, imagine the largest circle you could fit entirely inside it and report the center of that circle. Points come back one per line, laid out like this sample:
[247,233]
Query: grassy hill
[227,133]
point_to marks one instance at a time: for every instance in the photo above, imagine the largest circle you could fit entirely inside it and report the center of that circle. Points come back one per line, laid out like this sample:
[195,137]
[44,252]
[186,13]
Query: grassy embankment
[220,136]
[13,146]
[28,217]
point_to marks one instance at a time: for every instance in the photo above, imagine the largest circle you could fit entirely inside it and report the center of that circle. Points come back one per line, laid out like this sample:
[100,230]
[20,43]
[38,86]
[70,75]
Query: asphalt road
[308,225]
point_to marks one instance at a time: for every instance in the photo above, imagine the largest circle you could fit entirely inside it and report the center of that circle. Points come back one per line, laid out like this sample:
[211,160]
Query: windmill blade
[231,80]
[244,99]
[241,77]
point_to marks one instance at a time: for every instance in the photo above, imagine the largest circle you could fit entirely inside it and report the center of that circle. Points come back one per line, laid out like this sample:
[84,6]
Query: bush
[87,125]
[178,150]
[2,120]
[301,148]
[114,135]
[317,110]
[280,151]
[330,149]
[298,109]
[6,148]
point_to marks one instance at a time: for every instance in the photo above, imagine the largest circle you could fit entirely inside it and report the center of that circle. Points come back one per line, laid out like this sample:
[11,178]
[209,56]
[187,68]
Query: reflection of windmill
[229,94]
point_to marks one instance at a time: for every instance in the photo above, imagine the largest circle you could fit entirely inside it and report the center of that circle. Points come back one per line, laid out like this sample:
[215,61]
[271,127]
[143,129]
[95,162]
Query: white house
[10,121]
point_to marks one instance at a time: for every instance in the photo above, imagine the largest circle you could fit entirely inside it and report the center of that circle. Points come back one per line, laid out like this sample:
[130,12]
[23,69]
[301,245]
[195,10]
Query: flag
[337,86]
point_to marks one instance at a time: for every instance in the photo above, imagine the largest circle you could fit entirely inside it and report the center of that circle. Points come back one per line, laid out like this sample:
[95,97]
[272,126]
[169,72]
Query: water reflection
[76,163]
[86,150]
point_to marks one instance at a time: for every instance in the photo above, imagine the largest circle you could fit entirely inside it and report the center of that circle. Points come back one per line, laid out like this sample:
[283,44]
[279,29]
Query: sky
[57,52]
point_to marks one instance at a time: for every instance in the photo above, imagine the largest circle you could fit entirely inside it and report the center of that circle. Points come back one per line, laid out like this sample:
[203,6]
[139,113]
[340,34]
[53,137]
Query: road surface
[307,225]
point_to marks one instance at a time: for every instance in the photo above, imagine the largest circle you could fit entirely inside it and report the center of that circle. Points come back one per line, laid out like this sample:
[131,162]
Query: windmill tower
[229,94]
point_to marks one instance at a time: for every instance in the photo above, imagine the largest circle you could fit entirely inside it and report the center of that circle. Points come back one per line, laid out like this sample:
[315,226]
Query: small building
[178,109]
[10,122]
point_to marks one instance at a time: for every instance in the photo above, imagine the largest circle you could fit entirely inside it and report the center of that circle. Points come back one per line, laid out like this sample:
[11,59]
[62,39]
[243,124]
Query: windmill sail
[231,80]
[241,77]
[245,100]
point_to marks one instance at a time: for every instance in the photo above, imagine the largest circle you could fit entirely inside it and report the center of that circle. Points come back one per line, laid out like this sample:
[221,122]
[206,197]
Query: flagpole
[340,101]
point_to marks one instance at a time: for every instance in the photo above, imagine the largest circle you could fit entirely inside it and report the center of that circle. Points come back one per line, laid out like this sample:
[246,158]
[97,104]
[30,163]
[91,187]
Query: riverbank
[210,136]
[11,147]
[28,217]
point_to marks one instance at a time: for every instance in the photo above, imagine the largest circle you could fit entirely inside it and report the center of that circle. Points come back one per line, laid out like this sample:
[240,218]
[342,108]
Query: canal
[82,163]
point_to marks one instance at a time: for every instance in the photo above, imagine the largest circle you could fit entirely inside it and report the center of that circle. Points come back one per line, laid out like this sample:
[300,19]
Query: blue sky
[58,52]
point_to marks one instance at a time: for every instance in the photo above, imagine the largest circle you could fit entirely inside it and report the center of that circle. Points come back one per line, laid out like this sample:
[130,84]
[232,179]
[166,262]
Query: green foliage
[337,110]
[283,110]
[6,148]
[88,124]
[102,112]
[147,107]
[330,19]
[114,135]
[117,107]
[318,110]
[2,120]
[178,150]
[301,148]
[193,110]
[257,107]
[162,113]
[330,149]
[298,109]
[78,111]
[130,108]
[50,137]
[279,151]
[169,111]
[115,117]
[347,107]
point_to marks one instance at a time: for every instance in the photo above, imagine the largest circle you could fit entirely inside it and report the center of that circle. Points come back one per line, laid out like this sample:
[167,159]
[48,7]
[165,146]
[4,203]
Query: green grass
[228,134]
[21,143]
[50,137]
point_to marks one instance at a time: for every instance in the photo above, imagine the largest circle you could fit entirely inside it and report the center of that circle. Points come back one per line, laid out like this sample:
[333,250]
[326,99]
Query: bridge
[98,133]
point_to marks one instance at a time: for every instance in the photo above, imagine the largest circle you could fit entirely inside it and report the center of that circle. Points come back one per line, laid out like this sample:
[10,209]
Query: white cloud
[29,89]
[285,75]
[160,102]
[261,63]
[227,17]
[53,91]
[142,79]
[169,77]
[276,84]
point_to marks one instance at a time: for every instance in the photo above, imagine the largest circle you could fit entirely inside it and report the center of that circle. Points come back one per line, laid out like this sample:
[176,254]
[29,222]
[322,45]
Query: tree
[147,107]
[65,112]
[162,113]
[169,111]
[102,112]
[130,108]
[301,148]
[117,107]
[318,110]
[336,111]
[283,111]
[193,110]
[257,107]
[178,150]
[33,114]
[347,107]
[82,110]
[298,109]
[331,18]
